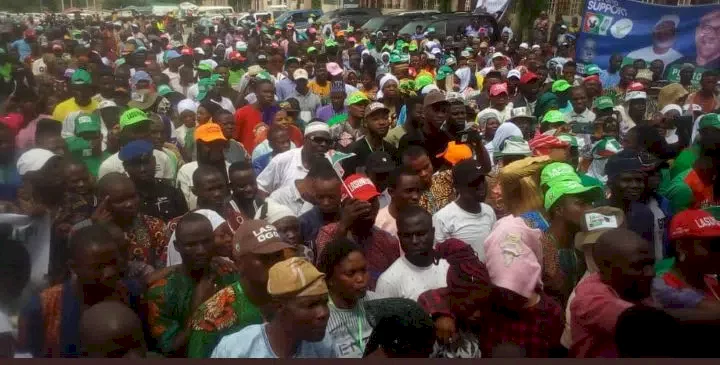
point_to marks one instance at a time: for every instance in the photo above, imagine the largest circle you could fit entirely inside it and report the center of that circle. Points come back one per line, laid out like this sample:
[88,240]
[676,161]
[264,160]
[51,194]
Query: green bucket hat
[553,116]
[603,103]
[563,188]
[709,120]
[356,97]
[556,172]
[164,90]
[131,117]
[560,86]
[87,123]
[81,77]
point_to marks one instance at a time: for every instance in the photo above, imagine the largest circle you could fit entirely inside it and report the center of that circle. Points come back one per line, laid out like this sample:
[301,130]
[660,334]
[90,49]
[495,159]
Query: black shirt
[434,145]
[361,149]
[162,200]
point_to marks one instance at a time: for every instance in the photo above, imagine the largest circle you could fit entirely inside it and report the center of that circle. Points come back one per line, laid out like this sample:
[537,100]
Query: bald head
[625,263]
[111,181]
[111,329]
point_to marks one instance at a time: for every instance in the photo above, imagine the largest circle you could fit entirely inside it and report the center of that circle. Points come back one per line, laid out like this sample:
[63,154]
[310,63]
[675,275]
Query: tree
[526,11]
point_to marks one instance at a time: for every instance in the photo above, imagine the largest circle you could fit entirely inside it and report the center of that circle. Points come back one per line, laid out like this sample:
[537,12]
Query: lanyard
[360,318]
[382,146]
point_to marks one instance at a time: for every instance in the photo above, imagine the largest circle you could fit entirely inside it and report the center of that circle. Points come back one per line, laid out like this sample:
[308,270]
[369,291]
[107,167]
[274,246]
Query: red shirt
[247,127]
[594,313]
[536,329]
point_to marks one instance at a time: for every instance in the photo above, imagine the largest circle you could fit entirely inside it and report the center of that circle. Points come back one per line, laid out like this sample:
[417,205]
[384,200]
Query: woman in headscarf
[502,134]
[670,112]
[522,313]
[488,122]
[389,95]
[384,66]
[187,119]
[464,73]
[459,308]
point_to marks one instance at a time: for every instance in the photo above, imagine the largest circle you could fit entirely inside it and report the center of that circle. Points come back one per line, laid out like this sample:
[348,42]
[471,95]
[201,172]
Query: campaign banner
[637,30]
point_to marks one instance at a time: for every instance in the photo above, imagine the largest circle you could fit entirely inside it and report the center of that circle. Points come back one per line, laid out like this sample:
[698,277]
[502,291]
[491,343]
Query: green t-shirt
[93,162]
[678,192]
[685,160]
[235,77]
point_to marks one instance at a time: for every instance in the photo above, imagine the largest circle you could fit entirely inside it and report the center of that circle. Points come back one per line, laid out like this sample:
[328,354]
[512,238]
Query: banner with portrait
[637,30]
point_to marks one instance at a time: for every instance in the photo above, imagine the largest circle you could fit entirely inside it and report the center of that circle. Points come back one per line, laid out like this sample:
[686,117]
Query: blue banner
[673,34]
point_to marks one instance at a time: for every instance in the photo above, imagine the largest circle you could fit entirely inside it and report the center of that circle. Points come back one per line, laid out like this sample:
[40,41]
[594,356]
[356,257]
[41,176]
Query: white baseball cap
[33,160]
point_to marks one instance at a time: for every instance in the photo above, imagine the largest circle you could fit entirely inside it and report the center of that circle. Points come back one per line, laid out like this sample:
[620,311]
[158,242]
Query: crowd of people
[257,191]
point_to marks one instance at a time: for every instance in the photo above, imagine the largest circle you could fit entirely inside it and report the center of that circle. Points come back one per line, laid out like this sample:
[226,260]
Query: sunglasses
[320,140]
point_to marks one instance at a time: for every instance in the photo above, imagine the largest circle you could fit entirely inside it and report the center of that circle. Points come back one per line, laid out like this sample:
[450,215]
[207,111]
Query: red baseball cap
[186,51]
[528,77]
[694,223]
[498,89]
[360,188]
[236,55]
[636,86]
[207,41]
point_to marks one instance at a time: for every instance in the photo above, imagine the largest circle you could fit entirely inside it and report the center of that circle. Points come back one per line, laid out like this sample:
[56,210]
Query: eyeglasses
[706,28]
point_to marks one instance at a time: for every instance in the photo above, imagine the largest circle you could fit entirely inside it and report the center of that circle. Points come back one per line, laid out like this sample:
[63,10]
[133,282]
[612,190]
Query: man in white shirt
[580,112]
[663,40]
[416,272]
[293,165]
[297,195]
[210,143]
[405,187]
[467,219]
[134,125]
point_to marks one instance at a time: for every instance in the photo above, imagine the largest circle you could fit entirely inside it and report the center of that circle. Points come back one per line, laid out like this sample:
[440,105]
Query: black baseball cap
[379,162]
[467,172]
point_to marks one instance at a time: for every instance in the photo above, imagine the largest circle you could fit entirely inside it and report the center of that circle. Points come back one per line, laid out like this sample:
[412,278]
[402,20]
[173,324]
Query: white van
[162,10]
[210,11]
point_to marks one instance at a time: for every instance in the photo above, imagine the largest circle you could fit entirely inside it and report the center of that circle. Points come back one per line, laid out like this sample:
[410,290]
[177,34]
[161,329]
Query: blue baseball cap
[135,149]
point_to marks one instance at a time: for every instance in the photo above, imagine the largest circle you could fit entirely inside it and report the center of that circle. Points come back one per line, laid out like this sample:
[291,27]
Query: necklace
[382,146]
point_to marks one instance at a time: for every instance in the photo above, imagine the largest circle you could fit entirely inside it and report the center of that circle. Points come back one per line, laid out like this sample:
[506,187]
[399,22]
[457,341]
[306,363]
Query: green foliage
[316,4]
[526,12]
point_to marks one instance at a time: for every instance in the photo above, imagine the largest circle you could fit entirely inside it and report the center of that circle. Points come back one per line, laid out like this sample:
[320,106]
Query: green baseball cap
[395,58]
[603,102]
[571,140]
[444,72]
[204,67]
[81,77]
[163,90]
[87,123]
[356,97]
[556,172]
[311,49]
[264,75]
[592,69]
[330,43]
[560,86]
[423,80]
[554,116]
[569,187]
[131,117]
[709,120]
[78,147]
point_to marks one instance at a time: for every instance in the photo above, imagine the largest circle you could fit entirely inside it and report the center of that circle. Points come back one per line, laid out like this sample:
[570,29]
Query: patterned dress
[226,312]
[169,297]
[50,324]
[440,194]
[147,241]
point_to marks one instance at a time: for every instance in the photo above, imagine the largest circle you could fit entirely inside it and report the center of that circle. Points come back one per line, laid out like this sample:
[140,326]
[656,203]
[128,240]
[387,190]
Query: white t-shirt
[660,221]
[289,196]
[648,54]
[471,228]
[185,182]
[282,170]
[386,222]
[164,166]
[405,280]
